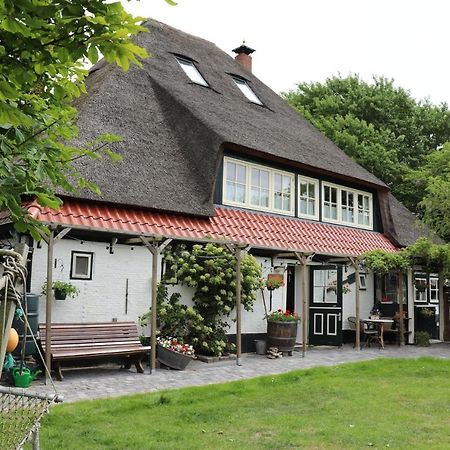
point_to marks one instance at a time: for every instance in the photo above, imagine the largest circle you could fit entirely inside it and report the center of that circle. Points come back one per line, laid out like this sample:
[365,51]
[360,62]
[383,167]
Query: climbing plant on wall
[210,270]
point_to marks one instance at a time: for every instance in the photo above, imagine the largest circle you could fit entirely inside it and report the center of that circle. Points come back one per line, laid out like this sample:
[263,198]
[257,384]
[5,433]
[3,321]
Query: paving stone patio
[110,381]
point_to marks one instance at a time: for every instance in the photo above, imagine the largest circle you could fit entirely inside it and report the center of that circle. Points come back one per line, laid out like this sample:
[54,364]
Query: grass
[385,403]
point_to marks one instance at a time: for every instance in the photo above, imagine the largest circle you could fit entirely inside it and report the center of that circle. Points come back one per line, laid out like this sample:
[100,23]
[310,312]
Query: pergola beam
[155,247]
[355,263]
[303,259]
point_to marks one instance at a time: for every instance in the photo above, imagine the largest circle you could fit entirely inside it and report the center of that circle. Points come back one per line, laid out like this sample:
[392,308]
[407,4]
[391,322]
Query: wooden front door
[325,309]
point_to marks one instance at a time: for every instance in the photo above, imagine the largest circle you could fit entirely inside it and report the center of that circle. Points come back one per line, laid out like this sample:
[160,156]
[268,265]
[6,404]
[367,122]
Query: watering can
[23,377]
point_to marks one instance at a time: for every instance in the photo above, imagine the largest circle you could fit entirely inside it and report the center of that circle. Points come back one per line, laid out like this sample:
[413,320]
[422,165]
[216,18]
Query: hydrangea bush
[210,270]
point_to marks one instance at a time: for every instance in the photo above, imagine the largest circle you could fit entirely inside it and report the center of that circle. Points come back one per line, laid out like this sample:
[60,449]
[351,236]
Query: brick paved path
[111,381]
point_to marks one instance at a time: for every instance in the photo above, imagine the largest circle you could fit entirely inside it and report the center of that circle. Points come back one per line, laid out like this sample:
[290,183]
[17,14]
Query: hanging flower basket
[421,286]
[274,281]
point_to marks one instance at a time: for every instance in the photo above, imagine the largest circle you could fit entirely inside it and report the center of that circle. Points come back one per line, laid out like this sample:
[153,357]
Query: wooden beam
[48,308]
[355,263]
[155,249]
[238,253]
[303,259]
[62,233]
[400,308]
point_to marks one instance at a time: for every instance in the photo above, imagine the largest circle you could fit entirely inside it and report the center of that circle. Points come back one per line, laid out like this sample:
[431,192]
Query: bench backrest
[85,333]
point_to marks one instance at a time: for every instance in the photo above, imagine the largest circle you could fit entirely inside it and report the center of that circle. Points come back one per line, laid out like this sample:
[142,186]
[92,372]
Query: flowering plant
[274,281]
[421,285]
[282,316]
[176,346]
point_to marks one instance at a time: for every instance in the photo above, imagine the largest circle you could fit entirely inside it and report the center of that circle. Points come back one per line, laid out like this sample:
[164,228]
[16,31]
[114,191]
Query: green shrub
[422,338]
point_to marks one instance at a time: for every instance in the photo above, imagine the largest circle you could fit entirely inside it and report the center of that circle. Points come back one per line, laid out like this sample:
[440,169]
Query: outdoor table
[379,325]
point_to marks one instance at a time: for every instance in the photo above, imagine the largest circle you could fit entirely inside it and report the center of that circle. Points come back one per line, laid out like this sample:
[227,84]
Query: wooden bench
[80,341]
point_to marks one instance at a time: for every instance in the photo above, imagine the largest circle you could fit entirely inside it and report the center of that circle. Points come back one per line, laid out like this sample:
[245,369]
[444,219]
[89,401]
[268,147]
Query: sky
[308,41]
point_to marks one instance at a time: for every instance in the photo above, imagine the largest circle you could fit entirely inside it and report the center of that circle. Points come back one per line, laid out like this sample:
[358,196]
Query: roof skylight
[191,71]
[247,91]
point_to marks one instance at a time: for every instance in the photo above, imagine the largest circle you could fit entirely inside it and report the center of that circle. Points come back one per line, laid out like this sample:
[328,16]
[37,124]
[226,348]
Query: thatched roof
[408,228]
[174,131]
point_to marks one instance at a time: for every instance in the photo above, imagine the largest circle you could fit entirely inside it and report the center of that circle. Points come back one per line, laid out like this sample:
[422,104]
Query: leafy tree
[378,124]
[43,47]
[433,180]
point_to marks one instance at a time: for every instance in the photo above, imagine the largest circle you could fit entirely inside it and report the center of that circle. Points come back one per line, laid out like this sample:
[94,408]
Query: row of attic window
[195,76]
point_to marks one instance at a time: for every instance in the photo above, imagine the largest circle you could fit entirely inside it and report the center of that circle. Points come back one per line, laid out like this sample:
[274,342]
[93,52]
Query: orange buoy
[13,340]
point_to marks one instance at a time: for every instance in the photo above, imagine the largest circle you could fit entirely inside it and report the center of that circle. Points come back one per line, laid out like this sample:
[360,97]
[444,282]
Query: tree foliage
[382,262]
[433,181]
[379,125]
[43,45]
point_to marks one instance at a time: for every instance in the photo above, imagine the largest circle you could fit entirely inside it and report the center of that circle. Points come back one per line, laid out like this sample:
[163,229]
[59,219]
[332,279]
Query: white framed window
[420,289]
[308,198]
[346,206]
[364,209]
[257,187]
[235,180]
[330,205]
[246,90]
[434,289]
[81,265]
[191,71]
[362,281]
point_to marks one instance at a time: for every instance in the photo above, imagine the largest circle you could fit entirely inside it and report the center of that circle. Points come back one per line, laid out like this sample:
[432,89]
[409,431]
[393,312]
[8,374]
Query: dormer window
[247,91]
[191,71]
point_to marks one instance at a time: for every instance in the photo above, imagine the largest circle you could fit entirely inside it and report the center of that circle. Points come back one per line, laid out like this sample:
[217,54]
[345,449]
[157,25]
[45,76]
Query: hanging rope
[20,411]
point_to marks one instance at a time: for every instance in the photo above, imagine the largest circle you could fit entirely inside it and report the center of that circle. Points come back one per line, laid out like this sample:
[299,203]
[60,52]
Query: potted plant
[421,285]
[282,330]
[274,281]
[174,354]
[62,290]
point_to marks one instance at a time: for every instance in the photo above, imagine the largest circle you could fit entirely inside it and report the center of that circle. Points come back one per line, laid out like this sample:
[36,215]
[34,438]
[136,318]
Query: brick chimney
[243,56]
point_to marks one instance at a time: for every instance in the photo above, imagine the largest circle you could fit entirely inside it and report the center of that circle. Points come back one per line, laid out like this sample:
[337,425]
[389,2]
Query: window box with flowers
[174,354]
[282,330]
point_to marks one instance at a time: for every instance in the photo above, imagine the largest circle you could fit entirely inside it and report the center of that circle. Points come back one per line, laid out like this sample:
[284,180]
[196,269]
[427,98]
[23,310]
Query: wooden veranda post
[48,307]
[303,261]
[155,249]
[355,264]
[400,308]
[238,305]
[50,241]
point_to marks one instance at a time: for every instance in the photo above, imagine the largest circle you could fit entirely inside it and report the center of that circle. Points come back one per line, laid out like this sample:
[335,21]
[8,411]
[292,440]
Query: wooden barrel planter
[282,335]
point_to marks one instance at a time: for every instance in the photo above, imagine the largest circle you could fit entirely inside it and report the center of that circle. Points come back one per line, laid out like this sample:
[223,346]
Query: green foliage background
[397,138]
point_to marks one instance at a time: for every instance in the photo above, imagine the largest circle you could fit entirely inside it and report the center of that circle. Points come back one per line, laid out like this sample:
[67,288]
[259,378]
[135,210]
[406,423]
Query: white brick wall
[102,299]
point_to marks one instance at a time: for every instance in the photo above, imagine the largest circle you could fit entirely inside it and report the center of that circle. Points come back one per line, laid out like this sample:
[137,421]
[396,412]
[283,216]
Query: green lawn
[378,404]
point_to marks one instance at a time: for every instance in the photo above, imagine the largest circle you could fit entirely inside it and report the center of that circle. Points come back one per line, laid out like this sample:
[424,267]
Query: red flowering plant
[282,316]
[176,346]
[274,281]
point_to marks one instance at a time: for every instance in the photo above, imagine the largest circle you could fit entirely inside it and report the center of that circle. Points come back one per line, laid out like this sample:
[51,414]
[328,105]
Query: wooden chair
[370,333]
